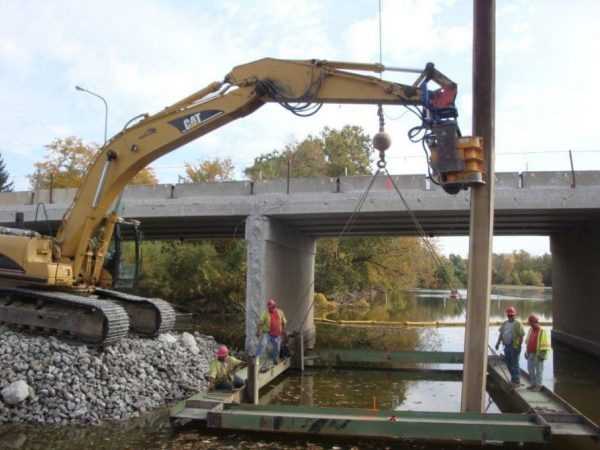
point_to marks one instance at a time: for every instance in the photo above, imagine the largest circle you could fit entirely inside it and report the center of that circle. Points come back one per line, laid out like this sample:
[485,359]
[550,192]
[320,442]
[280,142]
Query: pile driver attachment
[455,162]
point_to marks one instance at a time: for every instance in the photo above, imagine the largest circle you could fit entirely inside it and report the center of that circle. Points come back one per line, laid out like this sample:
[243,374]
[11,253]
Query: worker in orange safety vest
[270,331]
[537,347]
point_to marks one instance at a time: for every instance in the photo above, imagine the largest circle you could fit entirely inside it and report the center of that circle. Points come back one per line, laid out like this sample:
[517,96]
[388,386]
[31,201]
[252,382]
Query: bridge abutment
[576,299]
[280,265]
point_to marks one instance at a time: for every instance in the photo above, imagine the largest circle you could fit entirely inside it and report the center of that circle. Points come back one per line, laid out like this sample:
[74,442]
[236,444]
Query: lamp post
[79,88]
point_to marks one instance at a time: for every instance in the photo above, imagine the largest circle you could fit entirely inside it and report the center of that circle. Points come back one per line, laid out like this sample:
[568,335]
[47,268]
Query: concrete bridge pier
[576,288]
[280,265]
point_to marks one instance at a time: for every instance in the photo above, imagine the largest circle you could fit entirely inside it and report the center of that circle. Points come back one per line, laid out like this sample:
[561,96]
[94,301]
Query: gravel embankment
[70,383]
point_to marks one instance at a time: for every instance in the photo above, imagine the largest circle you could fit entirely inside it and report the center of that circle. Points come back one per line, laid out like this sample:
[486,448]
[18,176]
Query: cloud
[410,28]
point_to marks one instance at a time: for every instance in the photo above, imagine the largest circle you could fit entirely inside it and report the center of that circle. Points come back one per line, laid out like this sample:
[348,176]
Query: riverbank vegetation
[518,268]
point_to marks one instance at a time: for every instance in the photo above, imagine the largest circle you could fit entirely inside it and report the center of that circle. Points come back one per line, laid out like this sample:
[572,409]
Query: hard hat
[533,319]
[511,311]
[271,303]
[222,352]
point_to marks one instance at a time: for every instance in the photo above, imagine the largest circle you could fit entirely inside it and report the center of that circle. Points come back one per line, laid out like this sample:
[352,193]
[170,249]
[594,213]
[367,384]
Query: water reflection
[401,391]
[427,305]
[149,432]
[576,378]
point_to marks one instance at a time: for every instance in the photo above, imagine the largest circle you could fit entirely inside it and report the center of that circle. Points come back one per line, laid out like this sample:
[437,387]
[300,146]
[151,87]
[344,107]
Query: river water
[576,377]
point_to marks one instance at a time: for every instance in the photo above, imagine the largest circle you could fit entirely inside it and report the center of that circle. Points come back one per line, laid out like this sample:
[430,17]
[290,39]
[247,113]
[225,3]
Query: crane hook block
[457,162]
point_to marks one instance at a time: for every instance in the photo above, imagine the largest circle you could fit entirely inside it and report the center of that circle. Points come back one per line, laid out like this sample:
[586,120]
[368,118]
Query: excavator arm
[35,270]
[296,85]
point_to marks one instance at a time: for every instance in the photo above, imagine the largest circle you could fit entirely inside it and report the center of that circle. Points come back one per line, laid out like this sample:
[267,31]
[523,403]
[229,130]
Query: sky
[144,55]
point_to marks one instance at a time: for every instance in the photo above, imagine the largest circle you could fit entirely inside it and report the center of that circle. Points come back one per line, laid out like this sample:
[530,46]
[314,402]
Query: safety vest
[543,343]
[517,333]
[265,320]
[222,371]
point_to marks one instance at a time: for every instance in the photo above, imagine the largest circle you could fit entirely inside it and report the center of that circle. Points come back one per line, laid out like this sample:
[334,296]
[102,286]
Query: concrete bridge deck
[281,222]
[532,203]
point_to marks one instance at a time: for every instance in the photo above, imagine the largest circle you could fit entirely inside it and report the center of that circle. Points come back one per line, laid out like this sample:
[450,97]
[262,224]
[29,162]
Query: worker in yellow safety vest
[537,347]
[270,331]
[221,374]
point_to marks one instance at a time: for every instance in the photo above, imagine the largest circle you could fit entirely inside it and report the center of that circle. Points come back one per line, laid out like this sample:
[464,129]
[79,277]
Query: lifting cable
[347,225]
[421,232]
[381,142]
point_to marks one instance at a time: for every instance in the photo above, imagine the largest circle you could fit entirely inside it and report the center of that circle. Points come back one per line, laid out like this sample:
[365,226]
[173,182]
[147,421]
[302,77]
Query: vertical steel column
[482,210]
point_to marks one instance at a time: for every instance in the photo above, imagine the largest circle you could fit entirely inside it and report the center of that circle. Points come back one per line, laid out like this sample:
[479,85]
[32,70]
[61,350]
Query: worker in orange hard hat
[270,331]
[537,346]
[511,336]
[221,374]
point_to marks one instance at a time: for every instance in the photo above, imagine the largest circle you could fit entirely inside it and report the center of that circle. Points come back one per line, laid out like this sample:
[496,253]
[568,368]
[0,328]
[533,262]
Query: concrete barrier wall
[547,202]
[509,180]
[533,180]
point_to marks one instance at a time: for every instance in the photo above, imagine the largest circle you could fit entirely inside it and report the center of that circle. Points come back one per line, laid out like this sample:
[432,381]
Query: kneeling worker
[221,374]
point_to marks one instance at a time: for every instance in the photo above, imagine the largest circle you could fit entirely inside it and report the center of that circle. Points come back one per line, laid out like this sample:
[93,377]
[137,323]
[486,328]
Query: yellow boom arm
[245,89]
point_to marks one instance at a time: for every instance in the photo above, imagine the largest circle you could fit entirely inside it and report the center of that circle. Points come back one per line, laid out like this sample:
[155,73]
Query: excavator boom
[77,254]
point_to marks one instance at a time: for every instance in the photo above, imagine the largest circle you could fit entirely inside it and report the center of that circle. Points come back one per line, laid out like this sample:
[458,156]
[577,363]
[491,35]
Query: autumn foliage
[66,163]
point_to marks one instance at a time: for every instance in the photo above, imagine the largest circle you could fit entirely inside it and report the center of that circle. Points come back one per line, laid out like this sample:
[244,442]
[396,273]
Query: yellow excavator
[61,283]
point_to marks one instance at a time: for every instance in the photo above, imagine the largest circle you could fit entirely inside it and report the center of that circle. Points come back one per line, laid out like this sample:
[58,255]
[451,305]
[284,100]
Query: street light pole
[79,88]
[116,269]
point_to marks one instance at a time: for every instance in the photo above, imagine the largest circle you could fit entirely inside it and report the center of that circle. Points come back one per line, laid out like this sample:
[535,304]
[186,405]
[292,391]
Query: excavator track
[148,316]
[88,319]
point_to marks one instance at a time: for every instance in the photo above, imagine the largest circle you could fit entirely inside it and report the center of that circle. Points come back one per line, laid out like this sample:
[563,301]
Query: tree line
[215,270]
[518,268]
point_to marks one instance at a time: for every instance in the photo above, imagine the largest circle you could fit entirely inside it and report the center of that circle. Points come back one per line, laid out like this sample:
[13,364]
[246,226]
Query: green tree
[184,272]
[348,149]
[332,153]
[5,184]
[459,265]
[531,278]
[209,171]
[66,163]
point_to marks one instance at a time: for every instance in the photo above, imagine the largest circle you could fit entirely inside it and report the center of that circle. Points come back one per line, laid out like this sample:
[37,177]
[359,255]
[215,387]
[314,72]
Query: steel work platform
[563,418]
[529,417]
[354,422]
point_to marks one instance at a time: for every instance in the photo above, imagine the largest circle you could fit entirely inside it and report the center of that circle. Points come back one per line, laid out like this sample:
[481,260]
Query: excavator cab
[122,270]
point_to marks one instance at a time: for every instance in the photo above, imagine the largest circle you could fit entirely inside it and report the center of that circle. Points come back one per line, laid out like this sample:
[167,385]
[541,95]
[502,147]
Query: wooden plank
[252,383]
[265,378]
[197,406]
